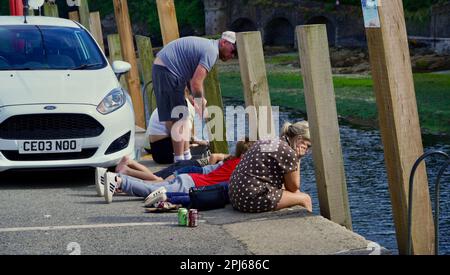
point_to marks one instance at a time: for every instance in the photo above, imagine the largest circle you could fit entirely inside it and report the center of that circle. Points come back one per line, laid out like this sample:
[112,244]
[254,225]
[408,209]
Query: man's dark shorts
[169,92]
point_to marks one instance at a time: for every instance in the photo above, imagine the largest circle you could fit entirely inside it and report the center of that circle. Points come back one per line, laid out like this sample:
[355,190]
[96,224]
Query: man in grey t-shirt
[186,62]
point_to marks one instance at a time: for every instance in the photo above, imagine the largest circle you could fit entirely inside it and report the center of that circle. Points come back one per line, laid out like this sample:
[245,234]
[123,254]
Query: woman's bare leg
[289,199]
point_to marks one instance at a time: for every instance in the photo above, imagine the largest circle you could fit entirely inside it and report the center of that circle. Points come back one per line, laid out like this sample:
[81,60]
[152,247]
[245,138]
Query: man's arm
[197,81]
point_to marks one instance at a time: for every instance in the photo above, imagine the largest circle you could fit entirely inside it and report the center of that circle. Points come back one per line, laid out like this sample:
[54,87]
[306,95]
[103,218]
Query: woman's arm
[292,180]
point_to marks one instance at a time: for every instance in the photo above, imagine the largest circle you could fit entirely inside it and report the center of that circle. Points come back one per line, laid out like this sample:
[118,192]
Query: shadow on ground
[46,179]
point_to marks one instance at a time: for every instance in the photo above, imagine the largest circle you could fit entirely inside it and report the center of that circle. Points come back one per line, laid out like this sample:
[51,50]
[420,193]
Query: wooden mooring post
[30,12]
[323,123]
[254,81]
[145,52]
[96,28]
[167,20]
[213,95]
[399,125]
[169,31]
[84,15]
[50,9]
[115,53]
[73,15]
[129,55]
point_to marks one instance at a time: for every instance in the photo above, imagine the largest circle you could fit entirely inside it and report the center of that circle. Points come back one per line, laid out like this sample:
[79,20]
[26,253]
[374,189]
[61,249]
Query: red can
[193,218]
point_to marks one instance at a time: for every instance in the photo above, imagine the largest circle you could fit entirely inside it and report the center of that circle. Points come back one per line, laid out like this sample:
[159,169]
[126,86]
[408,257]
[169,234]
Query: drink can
[193,218]
[182,216]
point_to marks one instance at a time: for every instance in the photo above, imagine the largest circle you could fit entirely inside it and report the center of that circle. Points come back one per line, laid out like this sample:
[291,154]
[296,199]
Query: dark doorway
[243,25]
[279,32]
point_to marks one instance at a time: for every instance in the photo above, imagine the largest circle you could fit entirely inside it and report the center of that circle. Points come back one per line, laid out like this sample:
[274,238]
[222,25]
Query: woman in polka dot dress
[268,176]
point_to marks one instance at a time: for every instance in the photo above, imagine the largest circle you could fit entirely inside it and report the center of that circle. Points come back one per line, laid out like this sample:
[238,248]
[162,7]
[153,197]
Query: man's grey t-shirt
[182,56]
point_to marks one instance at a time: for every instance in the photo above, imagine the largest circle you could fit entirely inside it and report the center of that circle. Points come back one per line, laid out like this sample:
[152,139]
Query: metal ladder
[436,201]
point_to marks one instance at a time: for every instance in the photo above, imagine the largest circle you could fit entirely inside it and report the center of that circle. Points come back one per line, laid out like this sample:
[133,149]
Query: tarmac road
[58,212]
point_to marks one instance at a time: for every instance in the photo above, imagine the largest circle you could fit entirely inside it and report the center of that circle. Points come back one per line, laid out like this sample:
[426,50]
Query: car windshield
[48,48]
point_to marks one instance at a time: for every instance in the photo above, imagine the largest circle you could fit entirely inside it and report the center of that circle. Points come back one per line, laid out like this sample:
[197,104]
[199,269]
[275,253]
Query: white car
[61,104]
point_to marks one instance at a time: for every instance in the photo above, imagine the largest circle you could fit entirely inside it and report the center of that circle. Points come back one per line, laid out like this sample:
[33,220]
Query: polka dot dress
[256,184]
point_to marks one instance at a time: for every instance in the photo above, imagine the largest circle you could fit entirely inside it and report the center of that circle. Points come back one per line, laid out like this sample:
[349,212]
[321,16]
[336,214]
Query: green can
[182,216]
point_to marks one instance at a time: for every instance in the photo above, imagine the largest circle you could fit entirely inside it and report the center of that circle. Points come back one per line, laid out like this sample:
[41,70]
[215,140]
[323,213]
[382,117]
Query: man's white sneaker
[100,174]
[155,197]
[110,186]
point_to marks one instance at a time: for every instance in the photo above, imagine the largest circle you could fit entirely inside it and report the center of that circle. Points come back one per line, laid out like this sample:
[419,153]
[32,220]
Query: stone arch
[243,25]
[331,29]
[279,32]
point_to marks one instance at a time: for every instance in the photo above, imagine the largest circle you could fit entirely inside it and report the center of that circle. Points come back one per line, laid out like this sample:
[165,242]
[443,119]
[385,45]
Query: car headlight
[113,101]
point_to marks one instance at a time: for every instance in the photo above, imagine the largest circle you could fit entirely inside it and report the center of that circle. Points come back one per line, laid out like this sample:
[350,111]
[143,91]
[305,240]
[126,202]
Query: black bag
[209,197]
[200,151]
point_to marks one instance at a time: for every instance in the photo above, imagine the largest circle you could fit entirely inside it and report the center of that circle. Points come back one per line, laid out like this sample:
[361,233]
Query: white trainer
[110,186]
[100,174]
[156,196]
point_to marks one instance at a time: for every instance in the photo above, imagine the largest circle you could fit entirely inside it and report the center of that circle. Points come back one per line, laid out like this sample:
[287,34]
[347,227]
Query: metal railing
[436,202]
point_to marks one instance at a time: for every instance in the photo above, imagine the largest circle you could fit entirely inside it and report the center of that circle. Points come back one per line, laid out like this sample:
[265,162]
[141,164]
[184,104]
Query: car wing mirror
[120,68]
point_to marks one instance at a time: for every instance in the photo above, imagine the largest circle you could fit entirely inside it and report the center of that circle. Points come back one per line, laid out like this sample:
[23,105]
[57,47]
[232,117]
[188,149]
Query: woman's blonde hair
[298,129]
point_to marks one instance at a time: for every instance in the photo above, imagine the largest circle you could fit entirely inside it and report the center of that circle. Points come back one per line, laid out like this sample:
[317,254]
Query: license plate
[49,146]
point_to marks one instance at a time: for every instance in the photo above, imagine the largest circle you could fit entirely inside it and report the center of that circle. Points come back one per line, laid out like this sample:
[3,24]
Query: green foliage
[105,7]
[421,15]
[416,5]
[4,7]
[190,13]
[145,11]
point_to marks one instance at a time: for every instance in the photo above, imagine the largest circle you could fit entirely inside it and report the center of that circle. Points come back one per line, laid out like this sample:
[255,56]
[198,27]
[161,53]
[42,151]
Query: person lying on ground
[130,167]
[182,183]
[268,177]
